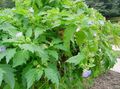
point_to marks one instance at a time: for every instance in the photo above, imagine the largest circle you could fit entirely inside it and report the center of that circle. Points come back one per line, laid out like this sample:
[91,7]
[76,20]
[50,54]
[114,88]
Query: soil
[110,80]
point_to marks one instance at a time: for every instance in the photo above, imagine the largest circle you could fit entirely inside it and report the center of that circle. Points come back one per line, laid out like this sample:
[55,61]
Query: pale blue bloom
[78,29]
[95,34]
[31,10]
[101,22]
[86,73]
[2,48]
[19,34]
[90,23]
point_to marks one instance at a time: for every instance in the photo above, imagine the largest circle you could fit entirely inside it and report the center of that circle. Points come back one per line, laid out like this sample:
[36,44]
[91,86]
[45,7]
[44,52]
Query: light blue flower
[19,34]
[2,48]
[31,10]
[101,22]
[86,73]
[90,23]
[95,34]
[78,29]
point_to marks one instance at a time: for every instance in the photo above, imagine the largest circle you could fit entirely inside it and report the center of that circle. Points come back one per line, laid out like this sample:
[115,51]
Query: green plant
[50,44]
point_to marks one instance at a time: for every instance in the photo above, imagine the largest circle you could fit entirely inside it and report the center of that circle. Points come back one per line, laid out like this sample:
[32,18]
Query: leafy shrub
[54,44]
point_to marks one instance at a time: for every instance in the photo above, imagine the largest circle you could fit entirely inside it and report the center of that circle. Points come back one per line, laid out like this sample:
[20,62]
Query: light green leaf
[60,47]
[27,47]
[38,74]
[53,53]
[2,55]
[68,35]
[52,74]
[1,76]
[8,75]
[29,32]
[80,37]
[112,59]
[33,75]
[76,59]
[20,58]
[30,77]
[38,49]
[7,27]
[38,32]
[10,54]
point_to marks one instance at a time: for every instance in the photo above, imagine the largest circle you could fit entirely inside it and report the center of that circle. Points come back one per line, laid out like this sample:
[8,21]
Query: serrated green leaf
[1,75]
[2,55]
[10,54]
[38,74]
[68,35]
[38,32]
[52,74]
[27,47]
[1,78]
[39,50]
[56,41]
[30,77]
[33,75]
[53,53]
[20,58]
[41,53]
[76,59]
[112,60]
[8,75]
[80,37]
[29,32]
[7,27]
[60,47]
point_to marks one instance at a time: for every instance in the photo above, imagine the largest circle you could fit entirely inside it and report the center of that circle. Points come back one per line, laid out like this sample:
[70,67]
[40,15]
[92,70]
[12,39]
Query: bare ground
[110,80]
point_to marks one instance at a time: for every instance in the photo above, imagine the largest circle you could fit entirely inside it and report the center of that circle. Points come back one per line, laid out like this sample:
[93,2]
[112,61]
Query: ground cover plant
[54,44]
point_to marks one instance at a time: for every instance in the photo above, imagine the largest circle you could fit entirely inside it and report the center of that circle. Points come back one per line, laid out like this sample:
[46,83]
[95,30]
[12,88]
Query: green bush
[54,44]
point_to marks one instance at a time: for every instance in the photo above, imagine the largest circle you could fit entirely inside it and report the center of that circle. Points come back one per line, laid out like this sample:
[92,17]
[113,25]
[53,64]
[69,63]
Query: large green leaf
[8,75]
[53,53]
[20,58]
[33,75]
[1,75]
[2,55]
[52,74]
[38,32]
[29,32]
[10,54]
[68,35]
[28,47]
[38,49]
[10,29]
[80,37]
[76,59]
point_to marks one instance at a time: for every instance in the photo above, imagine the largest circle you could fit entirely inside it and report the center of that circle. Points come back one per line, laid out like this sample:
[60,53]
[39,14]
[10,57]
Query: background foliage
[109,8]
[58,44]
[6,4]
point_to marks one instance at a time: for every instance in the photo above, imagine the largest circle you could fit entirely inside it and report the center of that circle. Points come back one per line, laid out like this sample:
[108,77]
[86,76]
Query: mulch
[110,80]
